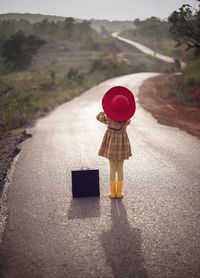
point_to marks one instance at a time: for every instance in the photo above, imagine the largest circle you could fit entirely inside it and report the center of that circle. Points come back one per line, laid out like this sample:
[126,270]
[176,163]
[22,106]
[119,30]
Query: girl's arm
[102,117]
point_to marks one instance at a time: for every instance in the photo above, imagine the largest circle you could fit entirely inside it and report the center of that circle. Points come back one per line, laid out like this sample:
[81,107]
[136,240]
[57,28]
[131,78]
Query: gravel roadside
[9,148]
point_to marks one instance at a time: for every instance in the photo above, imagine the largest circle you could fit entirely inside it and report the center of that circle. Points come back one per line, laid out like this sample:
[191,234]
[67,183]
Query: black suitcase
[85,183]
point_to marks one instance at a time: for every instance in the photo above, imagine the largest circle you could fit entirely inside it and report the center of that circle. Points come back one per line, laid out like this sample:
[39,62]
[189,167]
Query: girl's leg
[120,176]
[113,170]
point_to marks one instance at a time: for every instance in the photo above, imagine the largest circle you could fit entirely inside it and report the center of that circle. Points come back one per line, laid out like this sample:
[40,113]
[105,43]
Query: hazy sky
[99,9]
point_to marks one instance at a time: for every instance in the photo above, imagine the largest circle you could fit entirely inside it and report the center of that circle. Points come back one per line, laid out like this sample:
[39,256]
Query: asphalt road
[146,49]
[153,232]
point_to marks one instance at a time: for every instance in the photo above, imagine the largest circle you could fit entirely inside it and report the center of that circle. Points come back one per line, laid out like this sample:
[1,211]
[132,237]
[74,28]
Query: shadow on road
[84,208]
[122,245]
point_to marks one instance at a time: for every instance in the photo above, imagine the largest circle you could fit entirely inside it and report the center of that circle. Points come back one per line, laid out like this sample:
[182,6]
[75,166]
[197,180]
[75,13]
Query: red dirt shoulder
[155,96]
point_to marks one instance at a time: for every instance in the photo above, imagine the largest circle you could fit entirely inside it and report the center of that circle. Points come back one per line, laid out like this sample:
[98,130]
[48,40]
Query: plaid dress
[115,144]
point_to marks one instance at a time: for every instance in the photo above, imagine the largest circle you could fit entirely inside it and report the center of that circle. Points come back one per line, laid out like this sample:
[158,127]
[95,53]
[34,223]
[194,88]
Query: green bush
[75,76]
[191,72]
[19,49]
[182,97]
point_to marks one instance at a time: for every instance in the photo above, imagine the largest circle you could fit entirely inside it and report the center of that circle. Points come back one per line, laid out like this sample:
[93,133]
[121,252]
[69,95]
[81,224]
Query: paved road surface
[146,49]
[153,232]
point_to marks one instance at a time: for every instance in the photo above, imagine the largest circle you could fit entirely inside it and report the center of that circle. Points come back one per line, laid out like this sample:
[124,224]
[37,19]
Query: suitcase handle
[85,168]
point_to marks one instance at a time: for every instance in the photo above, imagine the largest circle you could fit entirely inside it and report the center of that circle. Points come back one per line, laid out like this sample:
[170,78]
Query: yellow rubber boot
[119,189]
[112,193]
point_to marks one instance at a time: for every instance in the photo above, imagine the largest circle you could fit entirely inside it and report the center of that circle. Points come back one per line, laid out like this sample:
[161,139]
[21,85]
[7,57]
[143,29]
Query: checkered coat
[115,144]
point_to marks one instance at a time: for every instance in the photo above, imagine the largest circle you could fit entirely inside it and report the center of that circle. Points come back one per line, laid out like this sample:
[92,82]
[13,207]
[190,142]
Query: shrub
[19,49]
[75,76]
[191,73]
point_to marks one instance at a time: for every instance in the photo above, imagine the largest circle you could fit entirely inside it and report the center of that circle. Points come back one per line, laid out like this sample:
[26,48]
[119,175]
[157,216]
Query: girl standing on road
[119,106]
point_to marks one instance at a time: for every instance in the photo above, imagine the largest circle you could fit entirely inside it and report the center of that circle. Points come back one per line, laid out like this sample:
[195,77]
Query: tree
[69,26]
[185,27]
[152,27]
[19,49]
[104,31]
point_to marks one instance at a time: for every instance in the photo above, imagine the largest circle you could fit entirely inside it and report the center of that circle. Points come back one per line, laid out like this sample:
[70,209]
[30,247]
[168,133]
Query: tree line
[152,27]
[19,42]
[46,27]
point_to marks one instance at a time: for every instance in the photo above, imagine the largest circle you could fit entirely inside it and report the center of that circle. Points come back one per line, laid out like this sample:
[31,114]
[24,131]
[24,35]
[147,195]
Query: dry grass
[60,71]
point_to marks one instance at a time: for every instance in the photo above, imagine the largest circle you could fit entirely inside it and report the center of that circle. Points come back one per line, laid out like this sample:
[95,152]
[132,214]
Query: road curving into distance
[152,232]
[146,49]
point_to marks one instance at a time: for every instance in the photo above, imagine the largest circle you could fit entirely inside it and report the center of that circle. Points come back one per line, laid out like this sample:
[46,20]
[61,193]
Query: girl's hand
[128,122]
[100,114]
[101,117]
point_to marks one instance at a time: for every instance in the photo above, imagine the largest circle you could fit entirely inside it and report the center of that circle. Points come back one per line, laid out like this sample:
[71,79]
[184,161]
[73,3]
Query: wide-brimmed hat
[119,103]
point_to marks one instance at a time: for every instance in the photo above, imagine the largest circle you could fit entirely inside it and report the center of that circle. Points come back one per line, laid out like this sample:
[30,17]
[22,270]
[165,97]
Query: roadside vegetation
[185,29]
[37,73]
[179,37]
[191,73]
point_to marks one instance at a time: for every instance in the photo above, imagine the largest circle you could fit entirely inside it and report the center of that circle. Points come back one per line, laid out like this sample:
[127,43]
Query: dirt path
[155,97]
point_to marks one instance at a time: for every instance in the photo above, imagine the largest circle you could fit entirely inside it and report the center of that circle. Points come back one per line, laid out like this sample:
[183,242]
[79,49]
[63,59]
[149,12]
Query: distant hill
[97,24]
[30,17]
[112,26]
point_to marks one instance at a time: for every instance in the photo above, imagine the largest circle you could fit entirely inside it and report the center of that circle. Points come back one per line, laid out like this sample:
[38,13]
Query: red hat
[119,103]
